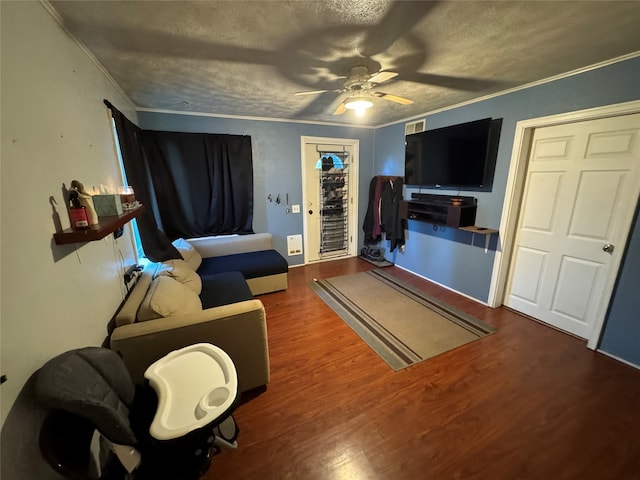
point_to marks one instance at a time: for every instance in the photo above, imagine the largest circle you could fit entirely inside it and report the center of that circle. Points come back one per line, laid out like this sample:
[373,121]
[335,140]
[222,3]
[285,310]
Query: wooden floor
[528,402]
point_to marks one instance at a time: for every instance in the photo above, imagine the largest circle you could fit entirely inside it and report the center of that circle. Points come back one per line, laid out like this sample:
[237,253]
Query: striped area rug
[400,323]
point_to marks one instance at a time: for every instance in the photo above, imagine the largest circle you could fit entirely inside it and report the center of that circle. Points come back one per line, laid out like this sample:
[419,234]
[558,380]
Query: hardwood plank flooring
[528,402]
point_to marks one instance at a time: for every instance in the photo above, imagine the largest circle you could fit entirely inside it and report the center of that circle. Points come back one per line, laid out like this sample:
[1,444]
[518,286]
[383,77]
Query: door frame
[513,199]
[353,187]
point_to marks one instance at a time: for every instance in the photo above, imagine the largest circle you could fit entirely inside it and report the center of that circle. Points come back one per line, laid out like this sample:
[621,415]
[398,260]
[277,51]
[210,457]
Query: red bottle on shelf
[77,212]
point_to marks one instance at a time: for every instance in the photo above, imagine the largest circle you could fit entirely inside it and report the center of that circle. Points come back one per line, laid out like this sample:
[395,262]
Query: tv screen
[460,156]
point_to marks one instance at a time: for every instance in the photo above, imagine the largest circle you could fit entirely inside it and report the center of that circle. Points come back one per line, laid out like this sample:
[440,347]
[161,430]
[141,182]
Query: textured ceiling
[248,58]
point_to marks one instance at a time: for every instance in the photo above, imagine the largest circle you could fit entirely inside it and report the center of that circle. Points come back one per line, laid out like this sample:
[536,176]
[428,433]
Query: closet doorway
[329,197]
[607,238]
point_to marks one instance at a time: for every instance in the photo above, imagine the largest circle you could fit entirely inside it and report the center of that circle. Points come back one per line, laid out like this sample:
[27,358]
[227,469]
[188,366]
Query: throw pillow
[179,270]
[166,297]
[190,254]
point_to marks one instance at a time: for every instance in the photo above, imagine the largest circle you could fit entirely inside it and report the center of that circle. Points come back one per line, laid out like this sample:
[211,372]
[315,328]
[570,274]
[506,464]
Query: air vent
[414,127]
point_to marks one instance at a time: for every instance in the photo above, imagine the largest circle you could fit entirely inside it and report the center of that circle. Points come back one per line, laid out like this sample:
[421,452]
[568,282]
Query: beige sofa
[238,328]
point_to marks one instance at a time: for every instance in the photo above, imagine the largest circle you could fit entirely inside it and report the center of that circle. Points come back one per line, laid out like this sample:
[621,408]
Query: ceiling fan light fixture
[359,103]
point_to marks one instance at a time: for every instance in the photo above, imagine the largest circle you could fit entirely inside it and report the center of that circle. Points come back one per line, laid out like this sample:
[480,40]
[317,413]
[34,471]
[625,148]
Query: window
[140,256]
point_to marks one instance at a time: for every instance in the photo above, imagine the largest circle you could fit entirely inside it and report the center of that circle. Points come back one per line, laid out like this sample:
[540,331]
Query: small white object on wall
[294,244]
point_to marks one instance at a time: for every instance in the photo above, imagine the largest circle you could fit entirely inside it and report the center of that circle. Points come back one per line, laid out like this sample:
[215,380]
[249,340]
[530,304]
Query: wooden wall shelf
[482,231]
[105,226]
[476,229]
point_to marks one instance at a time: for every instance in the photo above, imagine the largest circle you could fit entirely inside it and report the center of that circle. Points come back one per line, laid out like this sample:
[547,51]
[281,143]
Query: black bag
[372,253]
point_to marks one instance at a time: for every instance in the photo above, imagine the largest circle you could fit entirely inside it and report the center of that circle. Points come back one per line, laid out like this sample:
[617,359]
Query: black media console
[450,210]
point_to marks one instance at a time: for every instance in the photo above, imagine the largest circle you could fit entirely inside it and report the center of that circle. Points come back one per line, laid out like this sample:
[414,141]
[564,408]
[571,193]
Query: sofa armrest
[231,244]
[239,329]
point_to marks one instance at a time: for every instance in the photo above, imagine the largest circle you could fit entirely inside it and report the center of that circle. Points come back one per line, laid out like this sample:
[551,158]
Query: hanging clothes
[385,194]
[390,220]
[371,224]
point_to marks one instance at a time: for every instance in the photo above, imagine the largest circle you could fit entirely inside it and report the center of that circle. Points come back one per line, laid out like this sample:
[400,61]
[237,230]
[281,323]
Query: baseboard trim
[626,362]
[443,286]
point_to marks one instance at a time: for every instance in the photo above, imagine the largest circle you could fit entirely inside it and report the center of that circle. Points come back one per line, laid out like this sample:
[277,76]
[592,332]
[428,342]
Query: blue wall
[276,164]
[449,258]
[621,335]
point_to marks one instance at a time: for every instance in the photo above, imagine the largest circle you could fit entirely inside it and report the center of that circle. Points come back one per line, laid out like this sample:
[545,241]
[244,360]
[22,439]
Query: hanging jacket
[390,219]
[371,219]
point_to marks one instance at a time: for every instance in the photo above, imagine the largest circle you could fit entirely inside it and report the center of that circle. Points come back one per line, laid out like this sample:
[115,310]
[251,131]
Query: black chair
[65,442]
[89,390]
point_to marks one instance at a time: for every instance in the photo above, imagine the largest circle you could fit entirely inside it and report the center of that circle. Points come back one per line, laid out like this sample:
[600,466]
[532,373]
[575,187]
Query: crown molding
[56,16]
[572,73]
[257,119]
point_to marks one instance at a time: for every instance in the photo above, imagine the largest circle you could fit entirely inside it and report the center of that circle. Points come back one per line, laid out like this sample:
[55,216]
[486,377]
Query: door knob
[608,248]
[310,212]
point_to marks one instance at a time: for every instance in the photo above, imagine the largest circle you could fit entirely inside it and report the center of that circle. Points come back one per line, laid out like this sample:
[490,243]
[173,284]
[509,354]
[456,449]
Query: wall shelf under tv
[481,230]
[452,211]
[447,210]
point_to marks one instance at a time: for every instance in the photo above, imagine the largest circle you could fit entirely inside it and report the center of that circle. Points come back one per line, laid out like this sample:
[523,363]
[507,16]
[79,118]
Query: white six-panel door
[581,191]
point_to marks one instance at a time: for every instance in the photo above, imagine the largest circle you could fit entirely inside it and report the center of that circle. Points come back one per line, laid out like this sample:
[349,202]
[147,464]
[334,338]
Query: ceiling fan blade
[311,92]
[340,110]
[319,105]
[398,21]
[457,83]
[393,98]
[382,77]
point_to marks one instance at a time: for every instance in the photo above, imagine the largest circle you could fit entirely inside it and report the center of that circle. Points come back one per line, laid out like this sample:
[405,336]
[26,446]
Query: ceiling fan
[359,87]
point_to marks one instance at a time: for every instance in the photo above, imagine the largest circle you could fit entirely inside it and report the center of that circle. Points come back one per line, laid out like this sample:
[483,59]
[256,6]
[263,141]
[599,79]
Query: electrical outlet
[295,208]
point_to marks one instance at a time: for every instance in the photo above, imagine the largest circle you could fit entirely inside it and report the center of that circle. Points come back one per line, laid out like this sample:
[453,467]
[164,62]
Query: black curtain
[203,182]
[193,184]
[155,243]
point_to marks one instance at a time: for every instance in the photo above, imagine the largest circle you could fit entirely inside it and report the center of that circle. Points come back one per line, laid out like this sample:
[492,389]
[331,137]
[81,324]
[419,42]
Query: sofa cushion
[166,297]
[180,271]
[250,264]
[129,312]
[231,244]
[189,254]
[224,289]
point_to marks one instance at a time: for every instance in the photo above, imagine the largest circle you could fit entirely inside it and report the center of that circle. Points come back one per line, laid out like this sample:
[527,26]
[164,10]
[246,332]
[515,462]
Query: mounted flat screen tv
[458,157]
